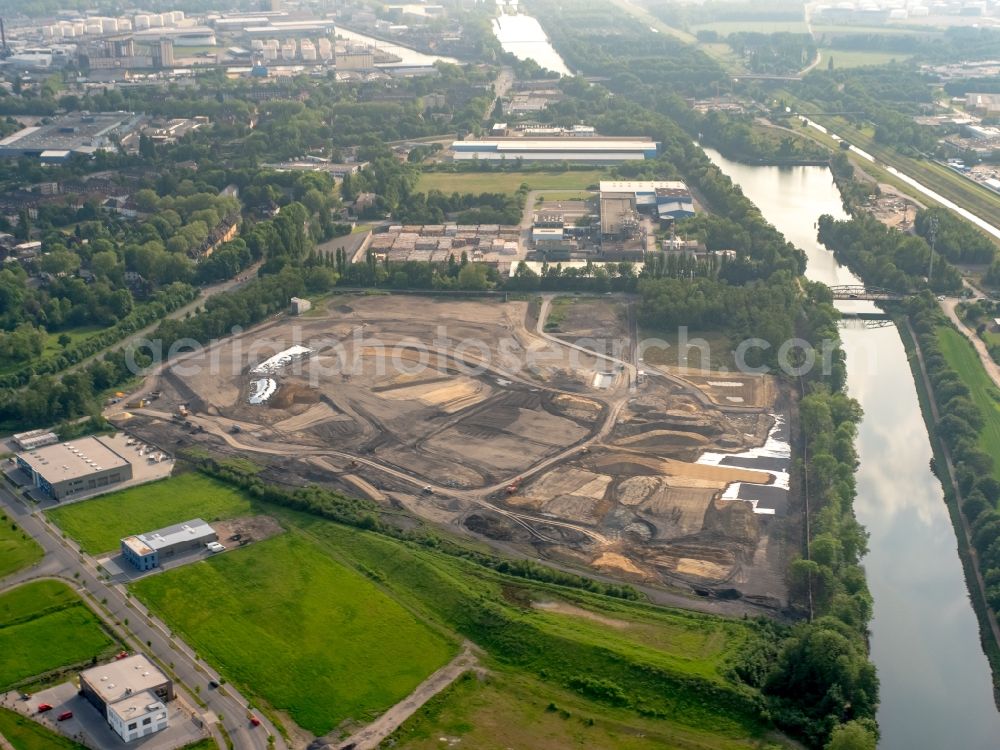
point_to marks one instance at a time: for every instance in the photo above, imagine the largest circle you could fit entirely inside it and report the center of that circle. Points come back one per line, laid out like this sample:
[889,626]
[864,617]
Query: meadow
[46,627]
[24,734]
[99,524]
[963,358]
[611,652]
[304,633]
[508,182]
[507,710]
[17,549]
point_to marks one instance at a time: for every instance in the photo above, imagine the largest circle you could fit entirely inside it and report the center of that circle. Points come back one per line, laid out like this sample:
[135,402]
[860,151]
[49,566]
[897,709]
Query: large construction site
[553,443]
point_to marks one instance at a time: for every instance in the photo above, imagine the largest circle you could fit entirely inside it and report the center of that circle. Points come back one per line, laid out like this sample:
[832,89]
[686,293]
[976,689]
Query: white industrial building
[147,551]
[671,198]
[594,150]
[131,693]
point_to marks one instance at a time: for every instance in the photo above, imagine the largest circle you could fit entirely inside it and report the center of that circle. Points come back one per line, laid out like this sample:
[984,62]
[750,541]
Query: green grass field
[848,58]
[507,182]
[17,549]
[24,734]
[653,654]
[76,335]
[963,358]
[306,634]
[99,524]
[46,627]
[506,710]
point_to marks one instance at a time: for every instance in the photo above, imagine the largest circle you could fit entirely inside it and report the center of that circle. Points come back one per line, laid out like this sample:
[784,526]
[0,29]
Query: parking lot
[89,727]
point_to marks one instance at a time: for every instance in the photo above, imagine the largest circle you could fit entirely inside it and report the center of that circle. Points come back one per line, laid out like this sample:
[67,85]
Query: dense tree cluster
[780,53]
[956,239]
[71,352]
[823,677]
[853,192]
[958,428]
[887,96]
[738,137]
[887,258]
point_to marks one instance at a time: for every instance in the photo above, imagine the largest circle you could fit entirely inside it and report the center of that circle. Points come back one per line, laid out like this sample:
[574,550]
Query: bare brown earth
[457,413]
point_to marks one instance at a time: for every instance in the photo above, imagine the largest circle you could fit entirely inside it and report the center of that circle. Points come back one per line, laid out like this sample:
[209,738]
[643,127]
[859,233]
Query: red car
[65,715]
[43,707]
[121,654]
[254,721]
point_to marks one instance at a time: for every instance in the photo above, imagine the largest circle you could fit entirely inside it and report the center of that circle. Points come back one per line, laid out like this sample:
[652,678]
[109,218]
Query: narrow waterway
[936,689]
[523,37]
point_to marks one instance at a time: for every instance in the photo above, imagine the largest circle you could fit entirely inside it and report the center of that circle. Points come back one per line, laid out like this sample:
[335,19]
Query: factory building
[147,551]
[28,441]
[987,105]
[77,133]
[131,694]
[75,467]
[593,150]
[669,199]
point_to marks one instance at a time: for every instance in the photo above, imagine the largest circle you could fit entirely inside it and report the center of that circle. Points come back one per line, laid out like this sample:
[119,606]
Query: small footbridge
[868,293]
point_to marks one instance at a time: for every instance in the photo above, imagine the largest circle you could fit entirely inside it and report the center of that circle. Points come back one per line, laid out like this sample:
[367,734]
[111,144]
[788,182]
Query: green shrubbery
[959,429]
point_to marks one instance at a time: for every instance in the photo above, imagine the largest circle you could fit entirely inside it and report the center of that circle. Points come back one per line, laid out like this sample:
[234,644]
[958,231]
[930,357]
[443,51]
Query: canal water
[936,690]
[523,37]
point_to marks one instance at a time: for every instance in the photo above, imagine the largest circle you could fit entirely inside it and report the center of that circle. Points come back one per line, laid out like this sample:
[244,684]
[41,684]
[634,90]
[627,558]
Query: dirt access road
[203,297]
[949,306]
[373,734]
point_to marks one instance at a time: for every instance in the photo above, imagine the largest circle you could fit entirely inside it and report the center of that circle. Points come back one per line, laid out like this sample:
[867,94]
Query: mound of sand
[617,563]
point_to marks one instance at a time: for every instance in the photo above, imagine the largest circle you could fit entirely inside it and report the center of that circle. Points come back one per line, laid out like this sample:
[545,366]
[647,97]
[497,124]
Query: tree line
[885,257]
[959,428]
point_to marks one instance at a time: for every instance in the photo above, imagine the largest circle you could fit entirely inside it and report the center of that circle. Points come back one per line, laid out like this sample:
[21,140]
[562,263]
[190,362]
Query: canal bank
[936,685]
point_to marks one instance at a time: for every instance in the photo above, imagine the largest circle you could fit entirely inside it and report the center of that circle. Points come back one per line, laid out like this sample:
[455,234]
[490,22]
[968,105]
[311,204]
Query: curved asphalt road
[63,559]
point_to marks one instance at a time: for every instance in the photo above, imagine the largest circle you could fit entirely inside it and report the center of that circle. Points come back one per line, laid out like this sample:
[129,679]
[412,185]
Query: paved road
[204,294]
[63,559]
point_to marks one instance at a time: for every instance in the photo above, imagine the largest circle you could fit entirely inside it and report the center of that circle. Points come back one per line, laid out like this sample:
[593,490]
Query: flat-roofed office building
[75,467]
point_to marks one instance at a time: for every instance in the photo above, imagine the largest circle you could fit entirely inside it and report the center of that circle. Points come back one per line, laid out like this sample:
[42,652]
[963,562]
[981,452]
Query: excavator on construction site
[513,487]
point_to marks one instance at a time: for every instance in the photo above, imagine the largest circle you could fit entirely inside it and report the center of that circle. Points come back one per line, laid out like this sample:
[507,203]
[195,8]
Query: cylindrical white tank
[141,22]
[156,20]
[124,24]
[110,25]
[177,16]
